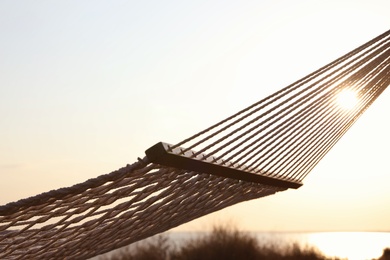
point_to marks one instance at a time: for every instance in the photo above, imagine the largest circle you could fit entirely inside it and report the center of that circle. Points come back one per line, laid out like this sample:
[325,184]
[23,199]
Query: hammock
[268,147]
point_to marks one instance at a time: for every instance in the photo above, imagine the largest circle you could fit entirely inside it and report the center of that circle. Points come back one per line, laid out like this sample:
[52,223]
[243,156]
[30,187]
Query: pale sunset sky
[87,86]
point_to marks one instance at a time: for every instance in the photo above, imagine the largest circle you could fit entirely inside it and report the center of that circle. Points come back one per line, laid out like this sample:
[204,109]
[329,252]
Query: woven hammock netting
[268,147]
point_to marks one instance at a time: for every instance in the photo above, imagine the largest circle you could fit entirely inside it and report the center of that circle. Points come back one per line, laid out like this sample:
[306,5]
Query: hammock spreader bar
[162,153]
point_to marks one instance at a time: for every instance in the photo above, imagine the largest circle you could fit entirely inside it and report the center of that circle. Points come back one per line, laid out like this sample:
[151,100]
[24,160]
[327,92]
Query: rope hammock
[268,147]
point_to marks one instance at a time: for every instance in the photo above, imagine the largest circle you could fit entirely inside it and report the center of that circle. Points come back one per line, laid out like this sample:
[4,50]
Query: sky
[87,86]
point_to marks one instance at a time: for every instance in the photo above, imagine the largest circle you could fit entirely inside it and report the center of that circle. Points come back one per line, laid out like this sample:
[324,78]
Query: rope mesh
[284,135]
[128,205]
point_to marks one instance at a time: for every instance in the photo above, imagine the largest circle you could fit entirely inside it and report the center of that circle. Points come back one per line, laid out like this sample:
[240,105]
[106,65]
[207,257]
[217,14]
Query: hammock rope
[263,149]
[251,140]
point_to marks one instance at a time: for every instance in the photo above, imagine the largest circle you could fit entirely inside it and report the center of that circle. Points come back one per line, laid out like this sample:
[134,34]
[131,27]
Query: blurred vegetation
[385,255]
[222,243]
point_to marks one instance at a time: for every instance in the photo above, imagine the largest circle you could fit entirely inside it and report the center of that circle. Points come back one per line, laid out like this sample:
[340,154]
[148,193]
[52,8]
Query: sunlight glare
[350,245]
[347,99]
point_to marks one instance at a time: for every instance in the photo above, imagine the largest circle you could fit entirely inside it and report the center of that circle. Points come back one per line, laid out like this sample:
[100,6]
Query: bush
[221,243]
[385,255]
[155,248]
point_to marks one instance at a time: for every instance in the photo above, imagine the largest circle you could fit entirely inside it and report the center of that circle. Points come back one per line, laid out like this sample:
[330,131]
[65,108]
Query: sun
[347,99]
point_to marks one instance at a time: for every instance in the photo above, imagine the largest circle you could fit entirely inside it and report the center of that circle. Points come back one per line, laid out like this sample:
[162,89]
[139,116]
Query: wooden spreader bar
[162,153]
